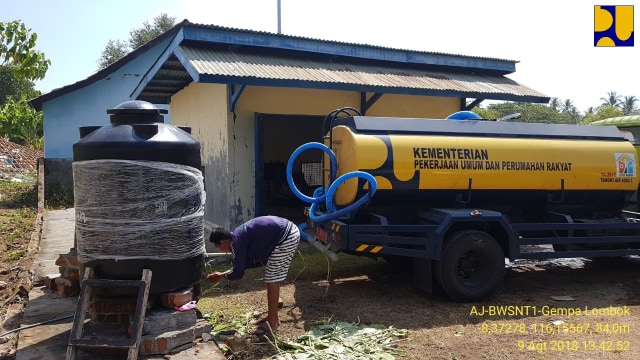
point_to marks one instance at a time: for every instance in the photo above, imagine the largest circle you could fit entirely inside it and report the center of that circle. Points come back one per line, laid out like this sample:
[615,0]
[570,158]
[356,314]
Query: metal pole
[279,22]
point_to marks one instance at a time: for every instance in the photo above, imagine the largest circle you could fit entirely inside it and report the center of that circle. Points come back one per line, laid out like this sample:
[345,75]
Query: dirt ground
[556,309]
[18,208]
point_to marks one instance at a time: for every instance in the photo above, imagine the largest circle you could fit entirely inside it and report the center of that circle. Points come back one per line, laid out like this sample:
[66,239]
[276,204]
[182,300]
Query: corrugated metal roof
[243,68]
[351,44]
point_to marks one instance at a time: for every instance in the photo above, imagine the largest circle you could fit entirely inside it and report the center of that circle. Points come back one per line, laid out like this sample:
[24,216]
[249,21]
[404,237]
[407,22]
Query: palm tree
[612,99]
[570,109]
[629,104]
[554,103]
[590,110]
[567,106]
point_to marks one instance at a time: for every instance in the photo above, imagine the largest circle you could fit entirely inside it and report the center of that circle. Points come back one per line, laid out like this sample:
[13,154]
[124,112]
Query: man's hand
[215,277]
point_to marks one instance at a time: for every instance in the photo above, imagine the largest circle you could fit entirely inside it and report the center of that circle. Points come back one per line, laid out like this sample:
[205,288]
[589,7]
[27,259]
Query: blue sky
[551,39]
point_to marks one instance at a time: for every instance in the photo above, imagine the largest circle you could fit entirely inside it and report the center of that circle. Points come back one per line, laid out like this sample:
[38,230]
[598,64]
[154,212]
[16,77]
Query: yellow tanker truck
[458,196]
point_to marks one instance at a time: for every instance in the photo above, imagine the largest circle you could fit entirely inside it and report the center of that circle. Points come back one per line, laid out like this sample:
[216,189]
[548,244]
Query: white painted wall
[88,105]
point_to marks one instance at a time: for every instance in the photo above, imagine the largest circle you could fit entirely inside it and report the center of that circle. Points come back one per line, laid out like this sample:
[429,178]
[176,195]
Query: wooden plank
[133,344]
[81,309]
[141,309]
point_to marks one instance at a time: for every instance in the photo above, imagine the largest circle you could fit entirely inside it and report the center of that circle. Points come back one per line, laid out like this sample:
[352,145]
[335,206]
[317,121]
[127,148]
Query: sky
[552,40]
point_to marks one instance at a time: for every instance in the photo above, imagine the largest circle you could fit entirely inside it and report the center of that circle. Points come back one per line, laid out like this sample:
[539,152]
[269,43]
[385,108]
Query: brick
[120,306]
[173,339]
[68,260]
[112,310]
[62,261]
[69,282]
[129,306]
[63,281]
[66,287]
[124,319]
[171,300]
[148,346]
[50,281]
[70,273]
[162,344]
[73,260]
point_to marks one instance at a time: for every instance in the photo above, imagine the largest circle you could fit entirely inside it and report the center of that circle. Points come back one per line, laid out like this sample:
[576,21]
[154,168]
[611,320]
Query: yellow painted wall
[412,106]
[203,107]
[228,140]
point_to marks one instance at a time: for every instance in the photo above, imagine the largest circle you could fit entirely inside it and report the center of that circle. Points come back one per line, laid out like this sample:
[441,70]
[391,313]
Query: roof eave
[303,84]
[37,102]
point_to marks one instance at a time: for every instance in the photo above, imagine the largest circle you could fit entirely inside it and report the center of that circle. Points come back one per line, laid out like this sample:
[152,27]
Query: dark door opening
[277,137]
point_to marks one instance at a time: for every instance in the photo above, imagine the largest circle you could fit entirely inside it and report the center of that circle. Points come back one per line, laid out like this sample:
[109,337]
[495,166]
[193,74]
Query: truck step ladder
[132,344]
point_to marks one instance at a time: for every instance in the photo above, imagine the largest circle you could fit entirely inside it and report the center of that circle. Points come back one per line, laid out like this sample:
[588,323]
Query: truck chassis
[464,249]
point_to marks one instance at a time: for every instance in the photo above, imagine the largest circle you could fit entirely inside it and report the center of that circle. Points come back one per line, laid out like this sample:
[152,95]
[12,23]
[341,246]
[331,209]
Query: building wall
[64,114]
[228,140]
[203,107]
[86,106]
[412,106]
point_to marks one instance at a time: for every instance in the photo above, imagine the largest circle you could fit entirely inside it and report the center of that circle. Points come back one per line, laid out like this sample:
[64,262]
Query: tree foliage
[531,113]
[20,65]
[116,49]
[148,32]
[612,99]
[602,112]
[13,86]
[21,123]
[17,49]
[628,105]
[563,111]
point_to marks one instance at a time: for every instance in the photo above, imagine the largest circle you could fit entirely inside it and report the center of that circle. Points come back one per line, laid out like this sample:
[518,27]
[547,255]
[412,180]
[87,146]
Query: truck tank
[522,169]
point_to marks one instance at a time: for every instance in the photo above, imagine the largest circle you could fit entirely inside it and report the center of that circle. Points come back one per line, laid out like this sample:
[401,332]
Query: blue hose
[292,159]
[302,227]
[320,195]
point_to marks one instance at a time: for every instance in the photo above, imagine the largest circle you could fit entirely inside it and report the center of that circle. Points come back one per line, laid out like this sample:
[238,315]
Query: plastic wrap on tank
[128,209]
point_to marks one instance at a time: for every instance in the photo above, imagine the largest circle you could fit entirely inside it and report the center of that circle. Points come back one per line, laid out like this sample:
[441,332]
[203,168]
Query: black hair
[218,234]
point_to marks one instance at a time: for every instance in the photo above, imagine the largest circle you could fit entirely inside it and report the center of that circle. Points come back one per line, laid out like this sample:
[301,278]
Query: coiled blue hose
[292,159]
[320,195]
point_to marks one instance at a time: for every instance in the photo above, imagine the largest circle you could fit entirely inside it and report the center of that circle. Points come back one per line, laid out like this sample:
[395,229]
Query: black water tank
[139,199]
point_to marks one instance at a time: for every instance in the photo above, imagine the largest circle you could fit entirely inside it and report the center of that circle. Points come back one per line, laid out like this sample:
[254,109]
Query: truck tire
[471,267]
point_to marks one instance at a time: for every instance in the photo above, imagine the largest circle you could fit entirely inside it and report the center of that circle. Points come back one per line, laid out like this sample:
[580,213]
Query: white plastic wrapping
[129,209]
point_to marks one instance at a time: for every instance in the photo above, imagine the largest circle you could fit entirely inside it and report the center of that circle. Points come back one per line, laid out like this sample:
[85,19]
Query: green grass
[230,305]
[58,197]
[234,301]
[15,195]
[18,206]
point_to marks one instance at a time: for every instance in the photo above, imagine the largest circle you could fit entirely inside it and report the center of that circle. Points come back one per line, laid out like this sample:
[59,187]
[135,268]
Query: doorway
[277,137]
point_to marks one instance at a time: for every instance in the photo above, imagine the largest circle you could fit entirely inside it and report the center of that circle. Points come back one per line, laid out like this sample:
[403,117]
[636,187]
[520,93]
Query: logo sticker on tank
[625,165]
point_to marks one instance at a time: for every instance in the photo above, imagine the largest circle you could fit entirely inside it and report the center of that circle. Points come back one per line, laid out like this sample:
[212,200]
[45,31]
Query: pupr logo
[613,25]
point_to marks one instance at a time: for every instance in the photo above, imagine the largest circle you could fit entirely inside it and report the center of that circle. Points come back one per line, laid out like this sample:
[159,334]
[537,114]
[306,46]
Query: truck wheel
[471,267]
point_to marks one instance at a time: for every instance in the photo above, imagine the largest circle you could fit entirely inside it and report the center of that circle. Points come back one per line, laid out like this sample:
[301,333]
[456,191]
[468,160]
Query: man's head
[221,238]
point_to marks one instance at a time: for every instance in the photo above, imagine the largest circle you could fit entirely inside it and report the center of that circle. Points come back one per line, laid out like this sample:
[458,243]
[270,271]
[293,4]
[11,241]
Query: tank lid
[136,112]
